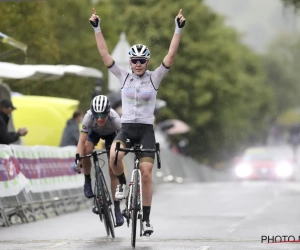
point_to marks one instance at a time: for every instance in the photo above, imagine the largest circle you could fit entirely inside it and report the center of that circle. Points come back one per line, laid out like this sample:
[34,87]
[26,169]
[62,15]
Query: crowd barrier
[38,181]
[180,169]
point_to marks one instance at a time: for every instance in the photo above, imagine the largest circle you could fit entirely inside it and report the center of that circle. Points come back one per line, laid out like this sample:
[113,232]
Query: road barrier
[38,181]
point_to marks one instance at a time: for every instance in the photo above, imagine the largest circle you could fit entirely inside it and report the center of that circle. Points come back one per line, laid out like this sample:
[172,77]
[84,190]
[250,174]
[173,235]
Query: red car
[266,164]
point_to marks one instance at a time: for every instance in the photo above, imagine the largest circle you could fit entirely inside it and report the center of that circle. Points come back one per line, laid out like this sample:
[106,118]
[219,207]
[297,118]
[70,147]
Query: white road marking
[58,245]
[259,210]
[204,248]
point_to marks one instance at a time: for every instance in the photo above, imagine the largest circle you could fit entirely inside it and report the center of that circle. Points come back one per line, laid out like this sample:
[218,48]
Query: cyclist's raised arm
[109,62]
[179,23]
[101,44]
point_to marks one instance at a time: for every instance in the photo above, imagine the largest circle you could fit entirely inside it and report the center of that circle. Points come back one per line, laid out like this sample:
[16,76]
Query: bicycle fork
[139,198]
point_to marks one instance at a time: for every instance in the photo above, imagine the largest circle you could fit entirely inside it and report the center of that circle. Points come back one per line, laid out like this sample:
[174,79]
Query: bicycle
[133,202]
[102,199]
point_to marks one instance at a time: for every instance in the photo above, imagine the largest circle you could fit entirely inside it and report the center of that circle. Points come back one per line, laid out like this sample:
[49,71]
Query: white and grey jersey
[138,93]
[112,125]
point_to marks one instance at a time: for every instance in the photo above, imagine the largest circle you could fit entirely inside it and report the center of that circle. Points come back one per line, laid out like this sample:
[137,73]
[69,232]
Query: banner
[37,169]
[12,180]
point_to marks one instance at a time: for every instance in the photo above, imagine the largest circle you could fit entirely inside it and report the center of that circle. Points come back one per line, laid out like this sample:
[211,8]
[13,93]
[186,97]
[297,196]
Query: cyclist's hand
[179,22]
[95,21]
[78,168]
[22,131]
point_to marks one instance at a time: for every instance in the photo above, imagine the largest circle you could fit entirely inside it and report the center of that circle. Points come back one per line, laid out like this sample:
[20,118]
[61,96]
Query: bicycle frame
[102,190]
[137,150]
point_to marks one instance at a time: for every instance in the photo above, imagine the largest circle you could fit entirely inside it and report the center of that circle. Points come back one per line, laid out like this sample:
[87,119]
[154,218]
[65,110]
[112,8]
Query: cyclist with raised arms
[99,122]
[139,90]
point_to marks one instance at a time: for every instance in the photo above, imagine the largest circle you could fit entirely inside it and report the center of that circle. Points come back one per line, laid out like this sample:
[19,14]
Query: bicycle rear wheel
[106,209]
[134,208]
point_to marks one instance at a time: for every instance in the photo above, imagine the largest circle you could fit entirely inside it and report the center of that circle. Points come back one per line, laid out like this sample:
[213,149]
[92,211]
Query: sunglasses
[140,60]
[102,115]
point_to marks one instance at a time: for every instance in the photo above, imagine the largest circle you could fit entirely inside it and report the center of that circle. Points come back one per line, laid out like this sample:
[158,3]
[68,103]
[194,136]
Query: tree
[30,25]
[57,32]
[217,85]
[281,64]
[295,3]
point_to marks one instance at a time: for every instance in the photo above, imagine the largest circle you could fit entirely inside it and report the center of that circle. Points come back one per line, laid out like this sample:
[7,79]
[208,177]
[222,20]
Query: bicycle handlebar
[138,150]
[94,153]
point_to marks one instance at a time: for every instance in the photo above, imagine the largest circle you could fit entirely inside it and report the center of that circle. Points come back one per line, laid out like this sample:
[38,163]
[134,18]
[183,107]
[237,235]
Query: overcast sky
[259,20]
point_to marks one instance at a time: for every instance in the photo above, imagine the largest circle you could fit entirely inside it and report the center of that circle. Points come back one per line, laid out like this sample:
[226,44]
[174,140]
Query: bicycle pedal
[95,210]
[147,234]
[124,213]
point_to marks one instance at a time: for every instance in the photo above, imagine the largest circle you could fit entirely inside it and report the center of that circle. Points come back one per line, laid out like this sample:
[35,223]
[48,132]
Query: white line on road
[204,248]
[249,217]
[57,245]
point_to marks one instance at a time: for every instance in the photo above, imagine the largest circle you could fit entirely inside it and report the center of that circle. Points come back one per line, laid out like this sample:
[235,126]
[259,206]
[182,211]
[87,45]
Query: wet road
[229,215]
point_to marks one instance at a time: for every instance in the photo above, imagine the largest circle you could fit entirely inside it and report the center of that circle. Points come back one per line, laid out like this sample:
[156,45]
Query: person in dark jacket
[6,107]
[71,132]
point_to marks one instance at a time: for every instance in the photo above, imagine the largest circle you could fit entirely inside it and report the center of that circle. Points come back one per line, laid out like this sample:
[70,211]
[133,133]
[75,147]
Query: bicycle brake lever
[117,152]
[77,158]
[158,160]
[158,155]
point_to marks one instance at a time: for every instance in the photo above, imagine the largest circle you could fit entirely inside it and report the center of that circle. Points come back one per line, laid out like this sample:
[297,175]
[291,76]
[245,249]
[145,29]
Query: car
[265,163]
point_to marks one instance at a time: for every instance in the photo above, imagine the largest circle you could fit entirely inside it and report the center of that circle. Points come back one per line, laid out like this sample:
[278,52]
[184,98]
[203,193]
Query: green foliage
[217,85]
[281,64]
[30,23]
[57,32]
[295,3]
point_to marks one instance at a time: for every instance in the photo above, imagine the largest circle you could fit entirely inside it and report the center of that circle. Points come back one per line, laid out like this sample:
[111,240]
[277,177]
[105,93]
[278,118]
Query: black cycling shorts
[95,138]
[132,133]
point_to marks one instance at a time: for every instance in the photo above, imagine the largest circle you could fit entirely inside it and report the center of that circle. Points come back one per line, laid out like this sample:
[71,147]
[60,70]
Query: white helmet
[100,104]
[139,50]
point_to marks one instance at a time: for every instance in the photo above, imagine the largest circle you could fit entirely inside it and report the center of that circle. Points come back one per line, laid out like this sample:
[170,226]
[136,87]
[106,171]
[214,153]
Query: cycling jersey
[138,93]
[112,125]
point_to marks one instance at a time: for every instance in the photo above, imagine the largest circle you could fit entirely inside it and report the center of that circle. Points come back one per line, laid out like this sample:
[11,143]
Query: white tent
[120,55]
[45,72]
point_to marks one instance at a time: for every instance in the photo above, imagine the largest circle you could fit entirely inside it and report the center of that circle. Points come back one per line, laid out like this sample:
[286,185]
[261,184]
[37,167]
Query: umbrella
[175,126]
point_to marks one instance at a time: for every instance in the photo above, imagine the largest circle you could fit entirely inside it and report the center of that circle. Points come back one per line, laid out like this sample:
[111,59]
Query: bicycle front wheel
[106,209]
[134,207]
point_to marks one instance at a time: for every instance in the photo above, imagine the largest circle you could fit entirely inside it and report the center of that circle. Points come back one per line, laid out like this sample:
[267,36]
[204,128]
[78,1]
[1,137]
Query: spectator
[182,146]
[6,107]
[71,132]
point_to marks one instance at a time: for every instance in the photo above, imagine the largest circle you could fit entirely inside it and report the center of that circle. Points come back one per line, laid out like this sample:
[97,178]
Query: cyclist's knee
[146,176]
[112,158]
[111,173]
[146,170]
[113,153]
